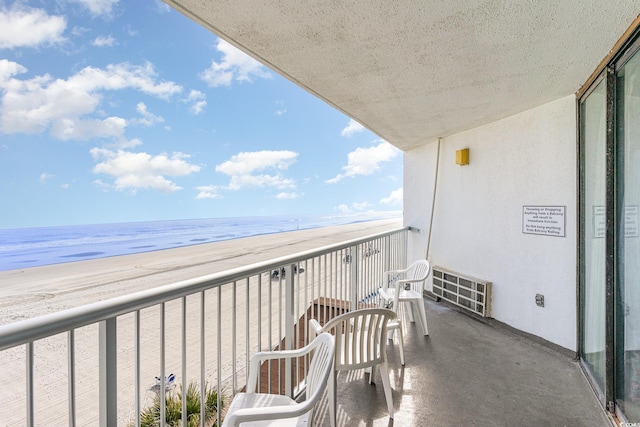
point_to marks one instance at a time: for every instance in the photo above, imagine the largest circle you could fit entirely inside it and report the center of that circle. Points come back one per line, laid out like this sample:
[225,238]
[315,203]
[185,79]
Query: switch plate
[540,300]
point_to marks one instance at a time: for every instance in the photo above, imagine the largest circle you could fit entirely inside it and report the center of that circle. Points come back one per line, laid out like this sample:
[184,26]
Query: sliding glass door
[627,307]
[610,233]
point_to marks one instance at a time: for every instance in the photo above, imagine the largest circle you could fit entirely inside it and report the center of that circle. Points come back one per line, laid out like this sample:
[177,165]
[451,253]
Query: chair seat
[410,294]
[262,400]
[405,295]
[413,298]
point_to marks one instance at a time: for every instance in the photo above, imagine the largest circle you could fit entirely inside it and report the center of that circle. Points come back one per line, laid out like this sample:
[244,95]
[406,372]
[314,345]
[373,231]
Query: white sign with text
[544,220]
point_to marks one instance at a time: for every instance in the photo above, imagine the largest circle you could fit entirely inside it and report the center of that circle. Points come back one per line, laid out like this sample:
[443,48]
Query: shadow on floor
[469,373]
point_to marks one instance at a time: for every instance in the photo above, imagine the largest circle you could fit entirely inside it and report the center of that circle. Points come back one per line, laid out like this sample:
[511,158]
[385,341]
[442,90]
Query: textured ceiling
[412,71]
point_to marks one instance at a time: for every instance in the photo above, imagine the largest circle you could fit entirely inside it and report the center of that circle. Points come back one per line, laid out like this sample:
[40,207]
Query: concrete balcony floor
[469,373]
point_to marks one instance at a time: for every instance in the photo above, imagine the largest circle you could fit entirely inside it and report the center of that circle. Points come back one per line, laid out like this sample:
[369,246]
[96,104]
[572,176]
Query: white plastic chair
[262,409]
[360,342]
[410,283]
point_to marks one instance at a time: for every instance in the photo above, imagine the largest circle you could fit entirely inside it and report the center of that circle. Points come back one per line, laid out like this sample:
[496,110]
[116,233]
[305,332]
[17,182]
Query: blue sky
[116,111]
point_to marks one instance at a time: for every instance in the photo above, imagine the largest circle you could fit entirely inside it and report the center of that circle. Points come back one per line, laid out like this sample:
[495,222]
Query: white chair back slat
[359,333]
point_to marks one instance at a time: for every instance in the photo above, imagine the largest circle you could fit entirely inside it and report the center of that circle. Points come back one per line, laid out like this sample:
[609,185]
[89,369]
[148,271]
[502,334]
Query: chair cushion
[262,400]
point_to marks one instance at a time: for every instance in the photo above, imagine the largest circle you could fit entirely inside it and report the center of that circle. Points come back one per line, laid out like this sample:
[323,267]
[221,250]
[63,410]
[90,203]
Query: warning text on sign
[544,220]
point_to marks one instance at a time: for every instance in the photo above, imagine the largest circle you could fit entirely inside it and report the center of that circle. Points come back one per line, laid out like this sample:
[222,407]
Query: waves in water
[36,246]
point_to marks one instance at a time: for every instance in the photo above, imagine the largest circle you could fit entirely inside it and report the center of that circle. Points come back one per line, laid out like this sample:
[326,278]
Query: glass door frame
[608,76]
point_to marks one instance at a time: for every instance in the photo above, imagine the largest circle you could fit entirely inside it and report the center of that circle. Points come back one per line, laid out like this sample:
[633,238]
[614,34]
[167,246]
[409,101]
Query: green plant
[150,417]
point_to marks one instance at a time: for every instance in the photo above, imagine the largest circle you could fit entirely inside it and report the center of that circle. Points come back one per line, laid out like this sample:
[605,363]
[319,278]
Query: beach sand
[31,292]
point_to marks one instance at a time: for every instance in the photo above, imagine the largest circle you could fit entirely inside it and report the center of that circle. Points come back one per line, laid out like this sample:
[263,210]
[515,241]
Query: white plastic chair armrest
[244,415]
[399,271]
[387,274]
[315,326]
[256,359]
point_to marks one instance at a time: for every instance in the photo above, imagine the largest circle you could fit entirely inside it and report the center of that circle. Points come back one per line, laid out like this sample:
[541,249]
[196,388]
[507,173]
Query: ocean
[36,246]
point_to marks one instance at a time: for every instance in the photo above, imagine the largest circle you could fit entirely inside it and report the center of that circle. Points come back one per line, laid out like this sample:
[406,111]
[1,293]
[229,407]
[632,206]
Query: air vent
[464,291]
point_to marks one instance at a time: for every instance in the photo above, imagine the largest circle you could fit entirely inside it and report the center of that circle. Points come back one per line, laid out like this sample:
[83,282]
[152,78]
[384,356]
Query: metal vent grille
[466,292]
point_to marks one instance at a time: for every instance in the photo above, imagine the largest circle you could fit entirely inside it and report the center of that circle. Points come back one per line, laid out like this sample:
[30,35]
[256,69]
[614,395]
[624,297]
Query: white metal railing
[203,330]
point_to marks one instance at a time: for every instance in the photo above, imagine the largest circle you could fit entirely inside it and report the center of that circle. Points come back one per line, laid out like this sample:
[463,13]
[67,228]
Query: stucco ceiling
[412,71]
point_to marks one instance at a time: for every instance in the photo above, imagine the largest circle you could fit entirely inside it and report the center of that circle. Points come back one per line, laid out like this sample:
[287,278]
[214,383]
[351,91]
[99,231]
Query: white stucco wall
[526,159]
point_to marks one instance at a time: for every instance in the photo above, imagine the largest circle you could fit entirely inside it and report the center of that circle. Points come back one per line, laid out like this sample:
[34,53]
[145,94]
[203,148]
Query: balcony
[97,364]
[470,372]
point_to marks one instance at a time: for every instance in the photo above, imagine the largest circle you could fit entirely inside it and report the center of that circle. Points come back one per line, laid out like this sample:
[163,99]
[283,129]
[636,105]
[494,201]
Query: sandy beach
[39,290]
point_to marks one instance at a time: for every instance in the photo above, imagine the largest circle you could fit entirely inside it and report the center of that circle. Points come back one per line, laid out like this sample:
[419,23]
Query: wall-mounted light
[462,157]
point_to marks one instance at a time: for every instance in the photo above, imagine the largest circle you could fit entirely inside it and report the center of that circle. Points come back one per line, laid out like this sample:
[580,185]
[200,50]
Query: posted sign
[544,220]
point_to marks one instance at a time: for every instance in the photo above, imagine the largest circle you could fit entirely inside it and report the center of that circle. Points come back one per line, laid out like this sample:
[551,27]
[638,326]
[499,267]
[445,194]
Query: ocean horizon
[37,246]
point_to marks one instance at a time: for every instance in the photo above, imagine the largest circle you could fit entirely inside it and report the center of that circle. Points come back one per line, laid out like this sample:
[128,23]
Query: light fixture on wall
[462,157]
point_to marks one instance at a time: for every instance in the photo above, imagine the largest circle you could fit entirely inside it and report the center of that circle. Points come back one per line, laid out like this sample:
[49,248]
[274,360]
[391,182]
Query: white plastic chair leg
[409,310]
[401,346]
[332,397]
[386,384]
[423,317]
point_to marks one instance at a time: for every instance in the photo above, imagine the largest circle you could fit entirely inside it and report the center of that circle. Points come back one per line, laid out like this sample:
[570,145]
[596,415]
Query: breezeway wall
[528,159]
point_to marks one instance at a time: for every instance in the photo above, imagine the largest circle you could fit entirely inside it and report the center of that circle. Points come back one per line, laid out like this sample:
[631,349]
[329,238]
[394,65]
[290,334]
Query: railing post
[354,265]
[289,320]
[387,258]
[71,363]
[406,248]
[30,378]
[108,389]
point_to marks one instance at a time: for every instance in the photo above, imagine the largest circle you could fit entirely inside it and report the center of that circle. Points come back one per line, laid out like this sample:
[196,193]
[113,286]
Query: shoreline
[22,248]
[49,288]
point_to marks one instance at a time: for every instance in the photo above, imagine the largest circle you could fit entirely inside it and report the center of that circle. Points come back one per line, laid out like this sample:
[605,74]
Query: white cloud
[102,41]
[148,118]
[9,69]
[248,162]
[235,65]
[355,207]
[242,169]
[352,128]
[277,181]
[141,170]
[287,195]
[343,208]
[123,143]
[25,27]
[130,31]
[280,112]
[195,95]
[394,199]
[79,31]
[70,129]
[361,206]
[197,100]
[208,192]
[44,177]
[63,106]
[102,8]
[365,161]
[162,7]
[198,107]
